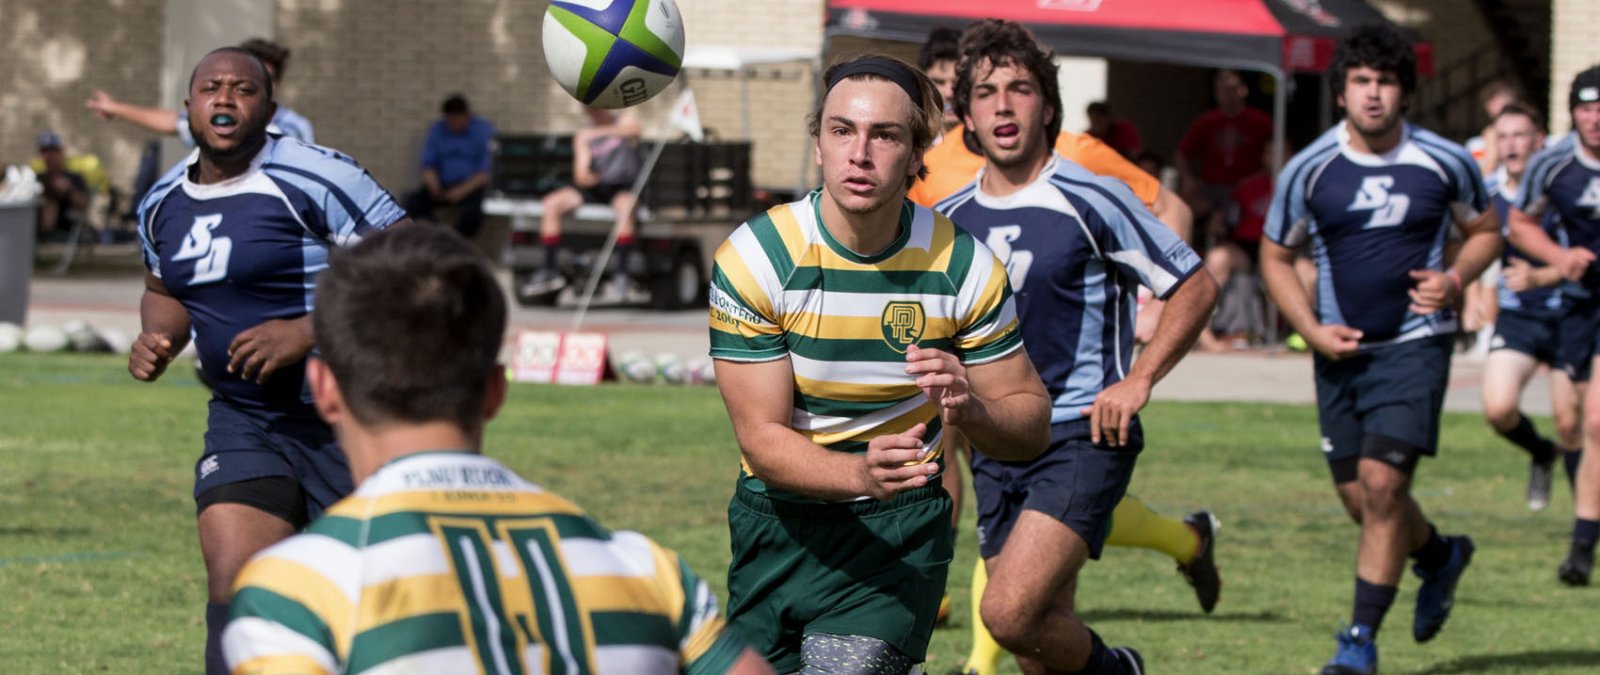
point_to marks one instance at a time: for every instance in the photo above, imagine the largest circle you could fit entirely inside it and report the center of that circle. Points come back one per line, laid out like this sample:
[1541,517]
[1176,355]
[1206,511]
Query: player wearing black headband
[851,329]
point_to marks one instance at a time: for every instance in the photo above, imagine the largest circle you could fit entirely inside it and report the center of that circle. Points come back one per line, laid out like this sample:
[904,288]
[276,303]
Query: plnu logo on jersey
[902,324]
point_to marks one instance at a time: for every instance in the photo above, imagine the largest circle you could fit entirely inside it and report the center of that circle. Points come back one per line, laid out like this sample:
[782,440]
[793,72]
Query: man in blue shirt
[455,165]
[1076,247]
[1528,319]
[1563,181]
[234,238]
[1377,199]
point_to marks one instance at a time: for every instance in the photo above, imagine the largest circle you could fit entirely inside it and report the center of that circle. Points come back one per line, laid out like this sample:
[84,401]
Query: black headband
[889,69]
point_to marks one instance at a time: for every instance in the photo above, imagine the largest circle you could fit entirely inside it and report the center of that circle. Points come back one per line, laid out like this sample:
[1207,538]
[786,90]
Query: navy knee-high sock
[216,620]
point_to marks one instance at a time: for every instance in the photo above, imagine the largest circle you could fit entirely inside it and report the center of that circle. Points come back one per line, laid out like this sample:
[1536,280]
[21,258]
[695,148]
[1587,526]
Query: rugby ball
[44,338]
[671,369]
[10,337]
[701,371]
[613,53]
[632,366]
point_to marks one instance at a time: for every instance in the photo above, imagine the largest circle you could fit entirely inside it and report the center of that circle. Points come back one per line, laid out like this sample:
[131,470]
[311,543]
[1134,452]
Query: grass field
[100,569]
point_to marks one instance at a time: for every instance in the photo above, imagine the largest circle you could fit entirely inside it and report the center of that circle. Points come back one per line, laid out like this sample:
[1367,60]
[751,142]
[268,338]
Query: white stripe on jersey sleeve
[443,660]
[755,259]
[248,638]
[401,557]
[1160,280]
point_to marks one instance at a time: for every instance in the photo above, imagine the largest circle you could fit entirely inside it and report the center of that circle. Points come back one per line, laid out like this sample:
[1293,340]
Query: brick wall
[371,74]
[1574,23]
[56,53]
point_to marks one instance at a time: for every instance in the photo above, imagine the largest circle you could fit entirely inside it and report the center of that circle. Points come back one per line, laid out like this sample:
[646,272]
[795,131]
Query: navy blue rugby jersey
[1563,184]
[248,250]
[1370,220]
[1076,247]
[1546,299]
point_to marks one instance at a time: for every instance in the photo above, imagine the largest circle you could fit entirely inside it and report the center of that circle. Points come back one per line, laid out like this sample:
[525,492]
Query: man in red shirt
[1226,142]
[1116,132]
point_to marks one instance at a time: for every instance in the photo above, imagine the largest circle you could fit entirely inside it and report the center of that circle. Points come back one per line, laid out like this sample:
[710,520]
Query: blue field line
[85,556]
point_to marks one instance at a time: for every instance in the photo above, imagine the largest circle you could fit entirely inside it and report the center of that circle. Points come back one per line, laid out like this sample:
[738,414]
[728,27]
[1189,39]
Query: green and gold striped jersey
[448,562]
[783,287]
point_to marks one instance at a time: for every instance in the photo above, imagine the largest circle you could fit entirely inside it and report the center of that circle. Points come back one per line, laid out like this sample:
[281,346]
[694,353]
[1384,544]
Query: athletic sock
[1102,661]
[1433,553]
[216,620]
[1585,532]
[984,659]
[552,246]
[1372,603]
[1134,525]
[1528,438]
[1569,461]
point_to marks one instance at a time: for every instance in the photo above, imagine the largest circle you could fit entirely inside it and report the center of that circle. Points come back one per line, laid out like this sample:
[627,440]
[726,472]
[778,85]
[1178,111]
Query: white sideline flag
[686,116]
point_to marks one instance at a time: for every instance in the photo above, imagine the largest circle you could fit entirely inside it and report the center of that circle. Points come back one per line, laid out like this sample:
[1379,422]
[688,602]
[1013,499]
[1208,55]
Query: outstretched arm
[155,119]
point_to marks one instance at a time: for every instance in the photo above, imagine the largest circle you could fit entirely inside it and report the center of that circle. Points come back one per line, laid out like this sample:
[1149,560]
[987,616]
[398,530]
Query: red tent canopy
[1276,36]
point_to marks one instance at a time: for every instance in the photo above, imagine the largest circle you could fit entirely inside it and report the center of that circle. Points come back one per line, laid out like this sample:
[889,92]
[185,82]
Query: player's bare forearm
[158,120]
[1008,416]
[162,314]
[1187,310]
[1172,212]
[1531,239]
[164,330]
[760,401]
[1481,247]
[1283,286]
[430,180]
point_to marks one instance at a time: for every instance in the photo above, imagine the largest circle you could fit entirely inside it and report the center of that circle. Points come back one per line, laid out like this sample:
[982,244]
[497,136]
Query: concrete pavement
[108,297]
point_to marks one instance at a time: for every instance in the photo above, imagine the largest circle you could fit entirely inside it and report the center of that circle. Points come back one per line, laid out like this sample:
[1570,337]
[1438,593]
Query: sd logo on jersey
[902,324]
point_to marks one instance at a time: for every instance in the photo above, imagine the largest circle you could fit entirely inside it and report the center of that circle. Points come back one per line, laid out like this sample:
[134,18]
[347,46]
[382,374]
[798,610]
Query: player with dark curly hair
[1377,200]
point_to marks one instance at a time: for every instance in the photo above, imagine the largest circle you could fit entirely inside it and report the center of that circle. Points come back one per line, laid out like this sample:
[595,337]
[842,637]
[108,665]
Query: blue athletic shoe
[1357,654]
[1438,592]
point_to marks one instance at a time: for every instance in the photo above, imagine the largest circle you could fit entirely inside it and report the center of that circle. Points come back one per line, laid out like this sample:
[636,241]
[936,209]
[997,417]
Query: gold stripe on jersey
[450,502]
[406,597]
[307,587]
[848,391]
[703,639]
[792,232]
[623,594]
[281,664]
[669,581]
[740,275]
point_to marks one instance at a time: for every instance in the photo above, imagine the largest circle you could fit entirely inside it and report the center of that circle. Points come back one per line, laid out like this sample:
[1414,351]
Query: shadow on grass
[1494,663]
[1159,616]
[27,531]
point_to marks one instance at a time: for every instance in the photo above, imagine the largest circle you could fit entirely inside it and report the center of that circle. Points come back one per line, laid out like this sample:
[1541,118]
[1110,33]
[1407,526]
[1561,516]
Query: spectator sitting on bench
[1234,235]
[65,194]
[605,162]
[455,166]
